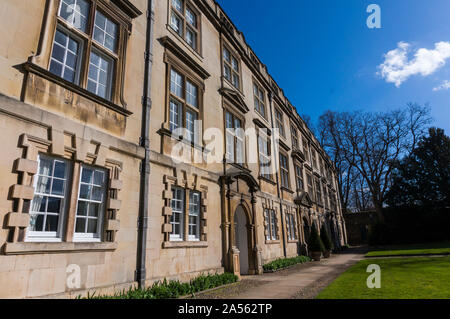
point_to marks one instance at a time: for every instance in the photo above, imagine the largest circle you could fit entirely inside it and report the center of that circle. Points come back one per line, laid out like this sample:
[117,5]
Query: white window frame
[43,236]
[178,237]
[91,237]
[196,236]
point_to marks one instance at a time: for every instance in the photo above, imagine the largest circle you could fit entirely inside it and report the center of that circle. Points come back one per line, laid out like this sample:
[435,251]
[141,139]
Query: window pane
[178,4]
[86,175]
[234,64]
[191,117]
[60,169]
[105,31]
[43,185]
[75,12]
[58,187]
[82,208]
[99,75]
[191,17]
[64,59]
[235,80]
[191,38]
[226,55]
[191,94]
[39,203]
[80,225]
[176,83]
[92,225]
[51,223]
[175,23]
[175,115]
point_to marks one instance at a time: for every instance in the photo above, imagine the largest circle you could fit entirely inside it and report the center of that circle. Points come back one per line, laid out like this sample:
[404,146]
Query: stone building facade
[92,93]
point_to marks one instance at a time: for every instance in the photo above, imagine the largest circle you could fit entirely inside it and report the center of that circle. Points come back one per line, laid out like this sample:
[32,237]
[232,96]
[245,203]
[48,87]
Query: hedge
[172,289]
[285,262]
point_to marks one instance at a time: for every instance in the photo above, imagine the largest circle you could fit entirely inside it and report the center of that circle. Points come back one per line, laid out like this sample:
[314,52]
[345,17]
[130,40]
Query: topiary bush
[326,238]
[315,243]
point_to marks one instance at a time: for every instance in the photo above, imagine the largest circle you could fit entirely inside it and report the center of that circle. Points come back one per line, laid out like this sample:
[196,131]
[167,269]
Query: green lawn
[419,249]
[401,278]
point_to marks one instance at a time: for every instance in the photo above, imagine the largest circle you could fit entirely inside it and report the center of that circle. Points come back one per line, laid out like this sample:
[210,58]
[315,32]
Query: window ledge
[165,132]
[293,241]
[287,190]
[185,244]
[267,180]
[25,248]
[183,41]
[272,242]
[47,75]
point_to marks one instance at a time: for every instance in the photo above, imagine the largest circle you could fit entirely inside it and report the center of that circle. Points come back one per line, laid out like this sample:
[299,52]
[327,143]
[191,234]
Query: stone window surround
[292,211]
[256,98]
[23,193]
[268,204]
[172,61]
[228,108]
[188,182]
[233,53]
[286,169]
[279,122]
[297,164]
[198,51]
[40,62]
[269,150]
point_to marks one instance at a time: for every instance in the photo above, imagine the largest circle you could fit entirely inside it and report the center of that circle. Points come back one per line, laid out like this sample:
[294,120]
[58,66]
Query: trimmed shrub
[315,243]
[326,238]
[172,289]
[285,262]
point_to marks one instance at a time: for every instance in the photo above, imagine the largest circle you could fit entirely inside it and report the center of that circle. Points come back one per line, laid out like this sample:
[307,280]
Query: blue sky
[324,56]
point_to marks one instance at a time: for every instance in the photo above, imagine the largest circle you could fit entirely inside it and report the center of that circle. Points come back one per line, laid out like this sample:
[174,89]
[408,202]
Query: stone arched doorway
[242,239]
[242,254]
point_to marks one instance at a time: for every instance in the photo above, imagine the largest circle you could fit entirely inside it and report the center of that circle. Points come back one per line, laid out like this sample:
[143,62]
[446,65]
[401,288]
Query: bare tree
[365,147]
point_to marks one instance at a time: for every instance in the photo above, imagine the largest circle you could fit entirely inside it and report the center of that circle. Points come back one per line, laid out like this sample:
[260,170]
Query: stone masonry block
[22,191]
[114,203]
[167,228]
[113,225]
[17,220]
[27,166]
[167,194]
[115,184]
[167,211]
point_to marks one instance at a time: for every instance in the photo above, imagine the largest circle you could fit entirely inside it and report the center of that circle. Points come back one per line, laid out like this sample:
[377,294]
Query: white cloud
[397,68]
[444,86]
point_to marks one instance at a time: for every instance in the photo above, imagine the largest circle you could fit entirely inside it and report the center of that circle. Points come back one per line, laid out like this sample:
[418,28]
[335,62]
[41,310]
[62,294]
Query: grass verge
[401,278]
[418,249]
